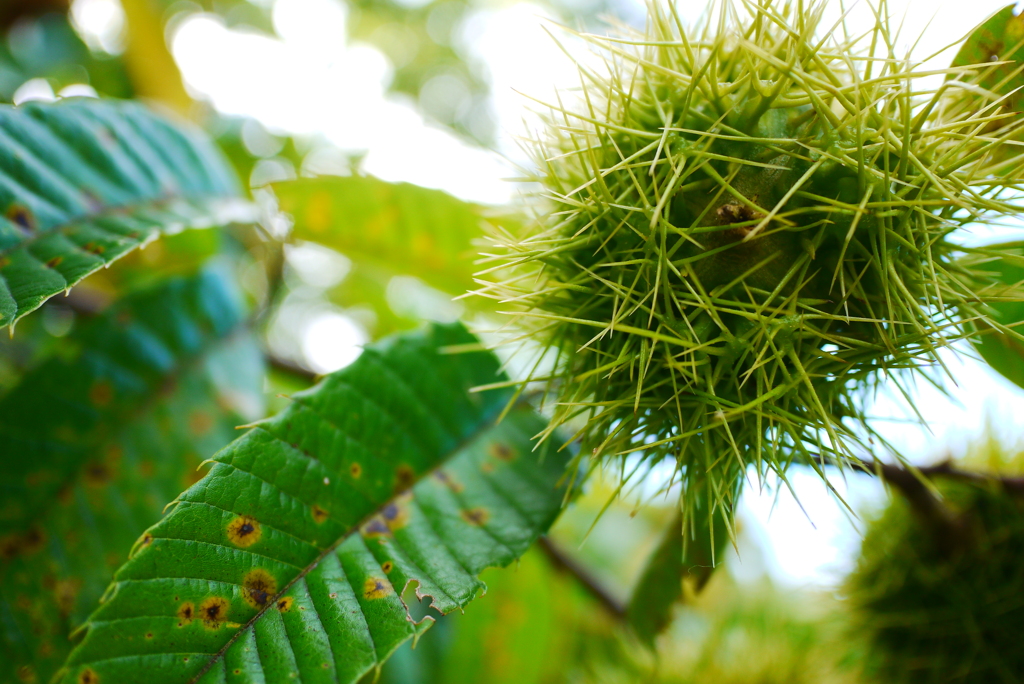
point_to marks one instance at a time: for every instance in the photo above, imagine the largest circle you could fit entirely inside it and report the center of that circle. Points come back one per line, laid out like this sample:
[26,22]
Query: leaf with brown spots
[292,547]
[993,58]
[90,477]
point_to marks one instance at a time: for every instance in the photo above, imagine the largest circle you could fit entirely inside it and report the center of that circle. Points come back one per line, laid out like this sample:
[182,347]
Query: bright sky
[309,81]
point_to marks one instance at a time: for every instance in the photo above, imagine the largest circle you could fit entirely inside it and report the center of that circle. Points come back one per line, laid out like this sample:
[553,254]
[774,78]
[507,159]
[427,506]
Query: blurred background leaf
[404,228]
[1004,349]
[143,393]
[684,556]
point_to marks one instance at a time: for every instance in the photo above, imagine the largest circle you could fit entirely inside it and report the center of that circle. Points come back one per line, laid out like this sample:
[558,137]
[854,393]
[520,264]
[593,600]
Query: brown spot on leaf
[487,467]
[65,495]
[100,394]
[405,477]
[393,516]
[502,451]
[54,262]
[199,423]
[319,514]
[285,603]
[258,587]
[98,474]
[94,248]
[147,539]
[65,592]
[377,587]
[88,676]
[476,516]
[375,528]
[9,546]
[20,216]
[27,674]
[355,470]
[387,567]
[23,544]
[33,540]
[186,612]
[213,612]
[396,513]
[149,635]
[244,531]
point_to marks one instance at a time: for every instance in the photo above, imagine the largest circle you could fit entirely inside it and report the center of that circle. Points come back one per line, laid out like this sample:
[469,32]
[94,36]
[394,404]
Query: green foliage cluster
[743,229]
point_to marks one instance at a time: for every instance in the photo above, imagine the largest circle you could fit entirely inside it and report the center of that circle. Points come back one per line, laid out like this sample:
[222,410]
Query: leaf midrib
[484,426]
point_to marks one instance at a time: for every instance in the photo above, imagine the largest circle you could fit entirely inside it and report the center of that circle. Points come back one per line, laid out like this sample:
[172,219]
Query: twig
[289,367]
[950,530]
[945,469]
[564,563]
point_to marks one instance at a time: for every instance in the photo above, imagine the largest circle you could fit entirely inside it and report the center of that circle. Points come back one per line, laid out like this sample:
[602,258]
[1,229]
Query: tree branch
[950,530]
[946,469]
[568,565]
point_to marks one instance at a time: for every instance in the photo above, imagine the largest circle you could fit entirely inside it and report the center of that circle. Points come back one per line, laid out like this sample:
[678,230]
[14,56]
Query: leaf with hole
[293,556]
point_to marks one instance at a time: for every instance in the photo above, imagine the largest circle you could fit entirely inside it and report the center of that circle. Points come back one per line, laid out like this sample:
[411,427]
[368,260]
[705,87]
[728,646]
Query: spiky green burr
[743,224]
[934,612]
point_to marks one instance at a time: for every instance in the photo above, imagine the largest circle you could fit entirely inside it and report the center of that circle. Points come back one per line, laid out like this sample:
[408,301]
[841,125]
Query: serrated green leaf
[1000,40]
[82,182]
[290,558]
[660,587]
[98,439]
[1004,350]
[404,228]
